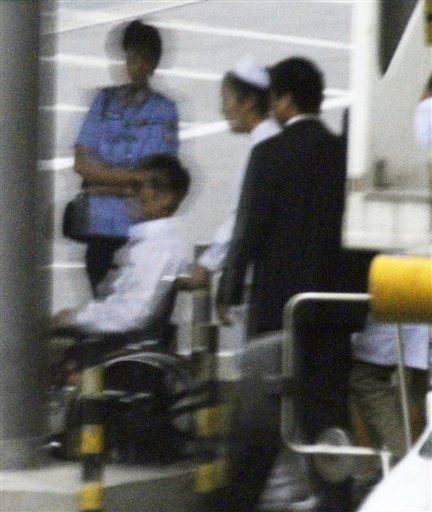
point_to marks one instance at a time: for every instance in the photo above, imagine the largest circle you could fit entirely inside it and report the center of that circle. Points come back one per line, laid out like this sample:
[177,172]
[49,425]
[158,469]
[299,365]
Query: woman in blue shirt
[124,125]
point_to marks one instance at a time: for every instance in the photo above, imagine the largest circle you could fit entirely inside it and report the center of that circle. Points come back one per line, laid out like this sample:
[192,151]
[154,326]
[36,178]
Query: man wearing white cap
[288,228]
[246,105]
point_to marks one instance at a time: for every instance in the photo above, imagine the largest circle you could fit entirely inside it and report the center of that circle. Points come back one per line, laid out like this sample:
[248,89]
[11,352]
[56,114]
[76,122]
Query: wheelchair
[149,396]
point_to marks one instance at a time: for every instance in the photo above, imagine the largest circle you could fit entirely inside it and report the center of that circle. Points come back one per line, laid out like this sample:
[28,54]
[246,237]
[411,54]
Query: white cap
[248,70]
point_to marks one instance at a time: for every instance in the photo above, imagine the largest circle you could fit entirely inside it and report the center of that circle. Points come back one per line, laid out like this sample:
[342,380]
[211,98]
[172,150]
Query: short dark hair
[302,79]
[245,90]
[145,39]
[167,173]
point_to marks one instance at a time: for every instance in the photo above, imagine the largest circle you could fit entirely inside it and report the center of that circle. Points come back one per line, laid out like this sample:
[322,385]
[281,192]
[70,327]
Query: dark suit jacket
[288,223]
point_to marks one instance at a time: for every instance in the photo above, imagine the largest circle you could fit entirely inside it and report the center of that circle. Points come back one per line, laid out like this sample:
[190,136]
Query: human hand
[63,319]
[224,314]
[198,278]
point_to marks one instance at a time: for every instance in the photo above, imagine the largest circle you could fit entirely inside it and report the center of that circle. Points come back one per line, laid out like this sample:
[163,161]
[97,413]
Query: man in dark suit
[290,213]
[288,227]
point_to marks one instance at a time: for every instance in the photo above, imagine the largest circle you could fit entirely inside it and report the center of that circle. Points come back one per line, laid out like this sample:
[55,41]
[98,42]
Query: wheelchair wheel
[150,399]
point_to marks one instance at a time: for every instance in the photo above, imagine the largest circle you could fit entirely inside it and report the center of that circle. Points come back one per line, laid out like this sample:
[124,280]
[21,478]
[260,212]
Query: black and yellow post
[211,476]
[92,438]
[428,22]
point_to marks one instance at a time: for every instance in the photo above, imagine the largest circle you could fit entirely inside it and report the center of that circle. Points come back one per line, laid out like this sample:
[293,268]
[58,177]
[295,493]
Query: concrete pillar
[24,292]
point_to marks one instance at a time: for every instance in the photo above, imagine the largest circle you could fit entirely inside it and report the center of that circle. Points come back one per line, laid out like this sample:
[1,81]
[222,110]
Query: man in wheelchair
[136,300]
[137,293]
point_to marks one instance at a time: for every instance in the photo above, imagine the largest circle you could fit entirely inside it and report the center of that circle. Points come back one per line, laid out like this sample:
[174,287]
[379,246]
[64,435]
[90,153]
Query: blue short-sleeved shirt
[122,133]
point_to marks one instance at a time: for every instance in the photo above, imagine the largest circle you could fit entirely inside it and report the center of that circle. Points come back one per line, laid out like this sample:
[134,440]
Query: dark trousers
[324,365]
[99,257]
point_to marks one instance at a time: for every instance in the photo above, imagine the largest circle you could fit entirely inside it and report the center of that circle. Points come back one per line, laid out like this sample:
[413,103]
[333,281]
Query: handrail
[289,362]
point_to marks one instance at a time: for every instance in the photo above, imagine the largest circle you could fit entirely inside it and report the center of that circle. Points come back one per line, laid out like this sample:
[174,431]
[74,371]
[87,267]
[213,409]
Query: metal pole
[211,424]
[430,360]
[212,421]
[404,400]
[24,298]
[289,352]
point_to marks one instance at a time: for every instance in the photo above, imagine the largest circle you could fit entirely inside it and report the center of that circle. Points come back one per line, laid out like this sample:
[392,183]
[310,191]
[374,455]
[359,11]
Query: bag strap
[108,96]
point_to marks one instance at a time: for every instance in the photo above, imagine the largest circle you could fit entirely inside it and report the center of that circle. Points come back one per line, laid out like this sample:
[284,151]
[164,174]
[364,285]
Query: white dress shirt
[301,117]
[213,257]
[141,285]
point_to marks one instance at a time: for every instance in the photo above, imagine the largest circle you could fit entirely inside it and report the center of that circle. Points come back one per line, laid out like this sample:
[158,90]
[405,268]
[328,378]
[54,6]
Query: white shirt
[214,256]
[140,287]
[376,344]
[423,122]
[301,117]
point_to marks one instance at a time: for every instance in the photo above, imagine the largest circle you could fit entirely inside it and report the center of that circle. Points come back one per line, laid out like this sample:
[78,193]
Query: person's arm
[250,231]
[210,261]
[94,171]
[101,176]
[213,257]
[139,293]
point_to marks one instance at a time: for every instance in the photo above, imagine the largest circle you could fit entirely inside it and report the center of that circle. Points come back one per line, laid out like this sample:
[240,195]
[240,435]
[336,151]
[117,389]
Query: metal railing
[289,363]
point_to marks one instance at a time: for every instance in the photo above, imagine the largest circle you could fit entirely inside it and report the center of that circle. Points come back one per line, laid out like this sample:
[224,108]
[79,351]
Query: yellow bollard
[211,422]
[401,288]
[92,439]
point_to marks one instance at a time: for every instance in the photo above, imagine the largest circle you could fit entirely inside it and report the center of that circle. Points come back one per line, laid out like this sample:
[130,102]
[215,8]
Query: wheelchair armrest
[92,348]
